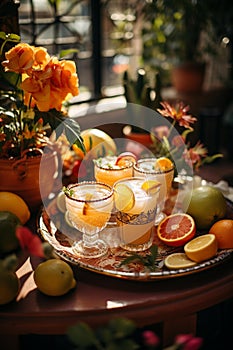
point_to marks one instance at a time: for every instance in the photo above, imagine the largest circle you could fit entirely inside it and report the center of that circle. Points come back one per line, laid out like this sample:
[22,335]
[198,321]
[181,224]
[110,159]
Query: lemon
[9,285]
[8,224]
[178,261]
[124,197]
[150,186]
[201,248]
[97,144]
[10,201]
[54,277]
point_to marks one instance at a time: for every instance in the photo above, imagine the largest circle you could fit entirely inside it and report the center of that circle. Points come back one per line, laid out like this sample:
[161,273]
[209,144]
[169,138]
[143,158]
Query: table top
[98,298]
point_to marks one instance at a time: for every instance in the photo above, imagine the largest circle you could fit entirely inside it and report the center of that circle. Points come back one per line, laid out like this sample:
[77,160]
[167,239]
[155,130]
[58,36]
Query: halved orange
[201,248]
[176,229]
[124,197]
[163,164]
[178,261]
[125,158]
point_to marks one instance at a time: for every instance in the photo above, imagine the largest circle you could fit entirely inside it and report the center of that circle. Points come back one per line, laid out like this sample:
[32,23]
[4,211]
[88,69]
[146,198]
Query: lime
[54,277]
[207,205]
[124,197]
[8,224]
[9,285]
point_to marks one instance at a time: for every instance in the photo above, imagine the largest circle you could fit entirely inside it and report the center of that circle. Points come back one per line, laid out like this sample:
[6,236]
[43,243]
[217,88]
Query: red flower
[178,112]
[150,338]
[29,241]
[188,342]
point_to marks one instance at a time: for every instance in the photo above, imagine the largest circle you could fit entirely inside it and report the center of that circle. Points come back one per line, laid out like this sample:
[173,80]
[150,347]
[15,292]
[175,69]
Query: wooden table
[173,303]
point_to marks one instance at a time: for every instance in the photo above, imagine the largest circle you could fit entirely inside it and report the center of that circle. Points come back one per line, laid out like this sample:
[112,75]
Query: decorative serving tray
[54,228]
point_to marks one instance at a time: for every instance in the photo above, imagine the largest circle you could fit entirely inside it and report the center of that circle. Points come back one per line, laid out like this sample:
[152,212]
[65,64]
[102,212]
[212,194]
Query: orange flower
[47,88]
[19,59]
[41,56]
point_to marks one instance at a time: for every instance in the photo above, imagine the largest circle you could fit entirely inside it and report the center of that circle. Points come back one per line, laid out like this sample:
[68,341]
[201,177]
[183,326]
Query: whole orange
[223,230]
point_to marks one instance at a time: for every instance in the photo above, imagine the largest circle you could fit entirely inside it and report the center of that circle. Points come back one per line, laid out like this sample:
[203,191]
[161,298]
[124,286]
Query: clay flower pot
[25,177]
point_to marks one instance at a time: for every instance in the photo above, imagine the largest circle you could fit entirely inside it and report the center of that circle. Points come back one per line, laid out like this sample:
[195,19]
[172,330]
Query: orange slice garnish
[125,158]
[150,186]
[86,205]
[163,164]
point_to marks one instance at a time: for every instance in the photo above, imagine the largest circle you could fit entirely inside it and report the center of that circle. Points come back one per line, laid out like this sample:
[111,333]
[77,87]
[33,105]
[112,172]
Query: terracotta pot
[188,77]
[25,178]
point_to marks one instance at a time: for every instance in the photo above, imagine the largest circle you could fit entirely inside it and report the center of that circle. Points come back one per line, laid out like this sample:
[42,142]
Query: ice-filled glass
[135,203]
[162,170]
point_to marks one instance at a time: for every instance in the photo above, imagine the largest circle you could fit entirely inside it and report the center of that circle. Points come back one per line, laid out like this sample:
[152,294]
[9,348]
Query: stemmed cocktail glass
[89,206]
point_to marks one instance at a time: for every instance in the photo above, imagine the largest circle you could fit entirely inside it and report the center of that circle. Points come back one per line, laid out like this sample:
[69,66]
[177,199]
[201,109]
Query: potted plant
[179,34]
[144,92]
[30,110]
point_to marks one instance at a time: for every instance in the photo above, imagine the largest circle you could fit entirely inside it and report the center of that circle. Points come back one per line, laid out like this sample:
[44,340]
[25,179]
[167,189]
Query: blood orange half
[177,229]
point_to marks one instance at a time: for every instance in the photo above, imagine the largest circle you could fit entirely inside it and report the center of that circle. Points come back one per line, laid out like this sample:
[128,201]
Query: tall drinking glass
[107,171]
[89,206]
[136,201]
[147,169]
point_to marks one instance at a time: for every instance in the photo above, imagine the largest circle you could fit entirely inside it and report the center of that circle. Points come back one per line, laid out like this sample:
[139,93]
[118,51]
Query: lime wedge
[124,197]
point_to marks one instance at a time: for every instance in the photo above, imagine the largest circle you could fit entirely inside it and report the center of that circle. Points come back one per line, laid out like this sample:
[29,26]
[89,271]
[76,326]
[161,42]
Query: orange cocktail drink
[109,170]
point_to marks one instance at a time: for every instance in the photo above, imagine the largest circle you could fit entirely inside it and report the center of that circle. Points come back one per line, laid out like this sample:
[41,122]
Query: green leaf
[64,53]
[82,335]
[122,327]
[63,124]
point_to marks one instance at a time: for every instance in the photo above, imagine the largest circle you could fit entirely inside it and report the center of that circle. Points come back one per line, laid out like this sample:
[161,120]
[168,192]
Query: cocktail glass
[136,203]
[108,172]
[146,168]
[89,206]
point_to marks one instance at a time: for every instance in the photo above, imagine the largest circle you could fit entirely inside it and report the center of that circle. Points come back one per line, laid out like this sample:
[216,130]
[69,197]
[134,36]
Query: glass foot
[99,249]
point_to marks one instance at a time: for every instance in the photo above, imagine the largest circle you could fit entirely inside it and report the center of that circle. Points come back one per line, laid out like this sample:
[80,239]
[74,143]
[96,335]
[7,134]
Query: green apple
[207,205]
